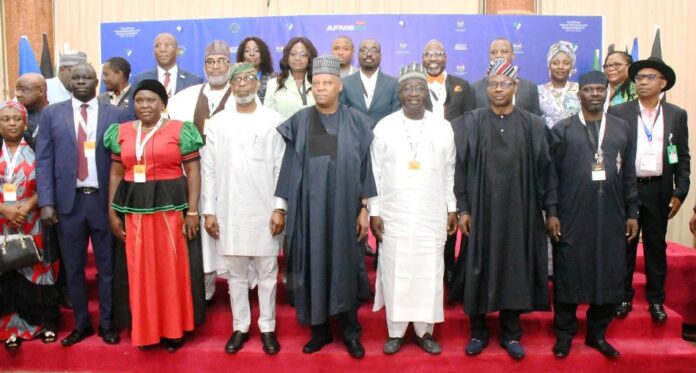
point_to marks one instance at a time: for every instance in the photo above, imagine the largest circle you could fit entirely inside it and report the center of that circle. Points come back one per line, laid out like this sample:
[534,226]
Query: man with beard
[502,182]
[413,159]
[199,104]
[243,157]
[115,73]
[449,97]
[343,48]
[326,179]
[597,211]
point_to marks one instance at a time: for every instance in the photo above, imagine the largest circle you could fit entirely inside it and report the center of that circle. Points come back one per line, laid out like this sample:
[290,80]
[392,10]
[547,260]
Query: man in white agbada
[200,103]
[243,155]
[413,159]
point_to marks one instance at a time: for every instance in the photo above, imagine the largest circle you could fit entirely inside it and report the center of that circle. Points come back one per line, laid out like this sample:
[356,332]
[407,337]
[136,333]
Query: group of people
[176,181]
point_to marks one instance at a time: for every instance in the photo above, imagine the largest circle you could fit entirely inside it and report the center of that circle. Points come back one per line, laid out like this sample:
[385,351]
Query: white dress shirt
[173,74]
[92,115]
[369,84]
[649,153]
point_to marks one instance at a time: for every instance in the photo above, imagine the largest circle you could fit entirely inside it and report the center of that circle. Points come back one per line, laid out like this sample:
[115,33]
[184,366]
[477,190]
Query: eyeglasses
[435,54]
[416,89]
[649,77]
[590,90]
[613,66]
[219,61]
[300,55]
[504,85]
[372,50]
[245,78]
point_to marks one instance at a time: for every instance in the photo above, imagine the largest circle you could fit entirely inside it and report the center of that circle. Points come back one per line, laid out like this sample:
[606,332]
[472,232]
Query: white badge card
[139,173]
[9,192]
[205,126]
[598,173]
[648,161]
[90,149]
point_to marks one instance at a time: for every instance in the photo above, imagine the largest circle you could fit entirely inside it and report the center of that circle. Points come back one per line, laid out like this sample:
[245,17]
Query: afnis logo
[358,26]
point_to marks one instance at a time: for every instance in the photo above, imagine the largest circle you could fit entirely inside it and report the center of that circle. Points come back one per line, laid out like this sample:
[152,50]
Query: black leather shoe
[270,343]
[623,309]
[110,336]
[475,346]
[562,348]
[355,348]
[316,344]
[392,346]
[657,312]
[173,344]
[428,344]
[77,336]
[236,342]
[604,347]
[513,348]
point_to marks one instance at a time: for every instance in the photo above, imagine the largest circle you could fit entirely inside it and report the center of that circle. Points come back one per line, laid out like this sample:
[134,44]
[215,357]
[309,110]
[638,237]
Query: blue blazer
[384,102]
[56,155]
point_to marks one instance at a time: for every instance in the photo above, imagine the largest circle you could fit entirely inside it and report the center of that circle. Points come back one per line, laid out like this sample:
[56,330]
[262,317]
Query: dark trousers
[350,327]
[449,258]
[510,328]
[88,220]
[565,321]
[652,222]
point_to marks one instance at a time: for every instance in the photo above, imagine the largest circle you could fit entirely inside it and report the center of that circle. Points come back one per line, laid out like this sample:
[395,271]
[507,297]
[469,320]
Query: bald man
[31,91]
[168,72]
[527,95]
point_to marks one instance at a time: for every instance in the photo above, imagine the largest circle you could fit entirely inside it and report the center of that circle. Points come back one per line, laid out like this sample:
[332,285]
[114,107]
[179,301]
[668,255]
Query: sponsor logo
[403,48]
[459,27]
[517,48]
[127,32]
[461,68]
[357,26]
[181,50]
[573,26]
[461,47]
[234,49]
[234,28]
[279,48]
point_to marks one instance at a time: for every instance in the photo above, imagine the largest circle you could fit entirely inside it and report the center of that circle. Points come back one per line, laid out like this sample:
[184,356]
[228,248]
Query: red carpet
[644,346]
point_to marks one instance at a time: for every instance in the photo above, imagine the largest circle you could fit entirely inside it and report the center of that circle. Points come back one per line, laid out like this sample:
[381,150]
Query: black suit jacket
[675,178]
[384,102]
[460,97]
[527,96]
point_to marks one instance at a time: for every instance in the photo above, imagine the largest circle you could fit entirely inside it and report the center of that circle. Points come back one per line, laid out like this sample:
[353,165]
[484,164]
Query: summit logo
[357,26]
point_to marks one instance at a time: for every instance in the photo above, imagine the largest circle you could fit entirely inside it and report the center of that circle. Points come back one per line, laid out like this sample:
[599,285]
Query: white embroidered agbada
[244,153]
[413,201]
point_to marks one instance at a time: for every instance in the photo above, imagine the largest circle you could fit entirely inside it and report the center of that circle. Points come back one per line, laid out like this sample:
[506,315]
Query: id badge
[672,157]
[9,192]
[90,149]
[598,173]
[139,173]
[648,162]
[205,126]
[414,165]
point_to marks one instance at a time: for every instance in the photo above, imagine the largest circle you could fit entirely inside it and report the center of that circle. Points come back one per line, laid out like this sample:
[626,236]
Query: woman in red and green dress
[160,204]
[28,297]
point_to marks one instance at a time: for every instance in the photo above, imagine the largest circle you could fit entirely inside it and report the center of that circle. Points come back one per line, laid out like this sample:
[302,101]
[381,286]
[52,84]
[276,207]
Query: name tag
[139,173]
[90,149]
[414,165]
[598,173]
[205,126]
[648,162]
[672,157]
[9,192]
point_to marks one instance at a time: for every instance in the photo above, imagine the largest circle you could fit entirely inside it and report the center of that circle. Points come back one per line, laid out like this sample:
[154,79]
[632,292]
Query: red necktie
[166,83]
[82,171]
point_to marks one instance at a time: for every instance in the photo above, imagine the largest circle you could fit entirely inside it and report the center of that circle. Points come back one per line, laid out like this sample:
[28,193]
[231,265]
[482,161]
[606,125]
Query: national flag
[27,59]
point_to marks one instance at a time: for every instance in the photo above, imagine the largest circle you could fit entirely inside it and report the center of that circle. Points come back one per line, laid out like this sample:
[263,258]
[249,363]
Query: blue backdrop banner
[402,37]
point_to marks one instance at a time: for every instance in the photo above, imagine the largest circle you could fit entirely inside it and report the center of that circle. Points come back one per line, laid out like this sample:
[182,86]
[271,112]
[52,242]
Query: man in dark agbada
[594,159]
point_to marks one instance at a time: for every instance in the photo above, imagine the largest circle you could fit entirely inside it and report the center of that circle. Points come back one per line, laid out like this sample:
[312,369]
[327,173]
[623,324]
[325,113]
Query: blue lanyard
[649,132]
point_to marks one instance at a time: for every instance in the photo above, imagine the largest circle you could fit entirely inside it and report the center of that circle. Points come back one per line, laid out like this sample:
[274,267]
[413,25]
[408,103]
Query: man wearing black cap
[595,210]
[662,169]
[326,178]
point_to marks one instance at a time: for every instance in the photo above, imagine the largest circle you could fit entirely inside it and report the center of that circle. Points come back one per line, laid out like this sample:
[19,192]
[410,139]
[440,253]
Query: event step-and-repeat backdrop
[466,38]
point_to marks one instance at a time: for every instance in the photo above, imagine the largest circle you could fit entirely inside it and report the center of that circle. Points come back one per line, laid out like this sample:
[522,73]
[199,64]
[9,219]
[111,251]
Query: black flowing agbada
[323,177]
[590,259]
[503,179]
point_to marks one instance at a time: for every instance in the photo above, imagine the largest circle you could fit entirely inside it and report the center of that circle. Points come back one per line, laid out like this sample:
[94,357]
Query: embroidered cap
[412,71]
[326,64]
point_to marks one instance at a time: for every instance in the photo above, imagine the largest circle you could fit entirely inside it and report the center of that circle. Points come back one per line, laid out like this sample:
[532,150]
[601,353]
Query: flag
[46,65]
[657,45]
[27,59]
[595,63]
[610,50]
[634,50]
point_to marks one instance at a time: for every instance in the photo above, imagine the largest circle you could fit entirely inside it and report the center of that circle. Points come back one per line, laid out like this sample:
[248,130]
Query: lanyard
[414,147]
[303,93]
[10,163]
[140,145]
[649,132]
[81,123]
[600,139]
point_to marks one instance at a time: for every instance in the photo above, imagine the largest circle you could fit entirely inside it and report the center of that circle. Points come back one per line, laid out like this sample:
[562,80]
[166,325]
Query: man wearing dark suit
[449,97]
[115,74]
[369,90]
[662,168]
[72,174]
[527,95]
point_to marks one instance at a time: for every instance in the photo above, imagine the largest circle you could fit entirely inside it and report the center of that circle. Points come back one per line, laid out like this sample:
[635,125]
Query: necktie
[82,171]
[167,79]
